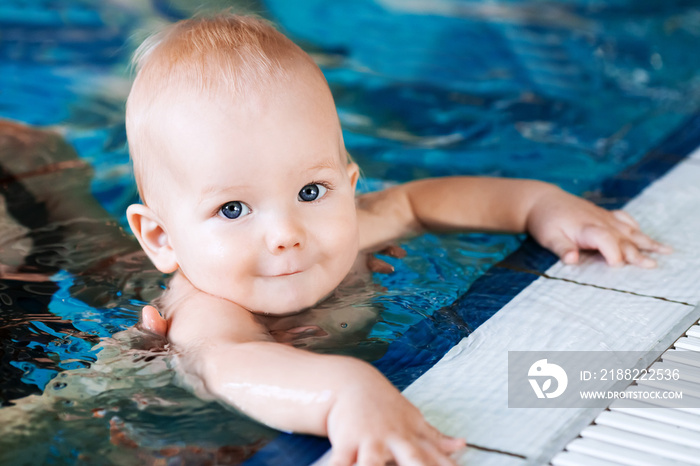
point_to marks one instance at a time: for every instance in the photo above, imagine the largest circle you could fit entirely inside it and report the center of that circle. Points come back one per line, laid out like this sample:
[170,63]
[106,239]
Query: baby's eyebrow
[324,165]
[213,189]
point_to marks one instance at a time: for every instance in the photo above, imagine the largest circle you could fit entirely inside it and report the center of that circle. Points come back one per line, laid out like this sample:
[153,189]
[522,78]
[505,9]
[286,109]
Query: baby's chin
[282,308]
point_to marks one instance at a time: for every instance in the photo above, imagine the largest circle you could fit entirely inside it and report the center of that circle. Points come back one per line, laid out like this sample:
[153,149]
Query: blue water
[572,92]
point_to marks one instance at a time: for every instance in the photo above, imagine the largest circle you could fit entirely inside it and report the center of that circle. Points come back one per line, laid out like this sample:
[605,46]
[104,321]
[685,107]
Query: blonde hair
[226,53]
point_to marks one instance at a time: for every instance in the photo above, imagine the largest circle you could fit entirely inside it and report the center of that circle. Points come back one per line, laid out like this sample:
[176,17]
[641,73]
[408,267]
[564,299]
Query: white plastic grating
[648,433]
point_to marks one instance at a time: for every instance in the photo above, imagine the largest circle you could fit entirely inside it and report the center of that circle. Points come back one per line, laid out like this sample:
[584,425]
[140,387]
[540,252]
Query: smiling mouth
[288,274]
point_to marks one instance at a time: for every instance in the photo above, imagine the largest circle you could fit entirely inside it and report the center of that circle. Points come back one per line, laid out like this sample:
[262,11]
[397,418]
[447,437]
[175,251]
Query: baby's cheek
[211,264]
[345,249]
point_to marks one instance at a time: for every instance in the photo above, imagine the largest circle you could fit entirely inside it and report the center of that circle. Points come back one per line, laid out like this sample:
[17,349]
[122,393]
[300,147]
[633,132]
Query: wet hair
[215,56]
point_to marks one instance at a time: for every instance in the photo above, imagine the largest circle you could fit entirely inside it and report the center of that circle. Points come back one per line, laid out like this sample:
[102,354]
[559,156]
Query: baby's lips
[279,274]
[284,271]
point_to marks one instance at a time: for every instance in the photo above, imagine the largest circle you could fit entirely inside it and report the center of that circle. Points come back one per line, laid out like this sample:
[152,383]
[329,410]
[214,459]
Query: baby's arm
[558,220]
[345,399]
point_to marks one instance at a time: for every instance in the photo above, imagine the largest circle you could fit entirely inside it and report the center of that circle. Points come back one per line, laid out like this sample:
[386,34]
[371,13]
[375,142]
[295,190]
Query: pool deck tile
[466,393]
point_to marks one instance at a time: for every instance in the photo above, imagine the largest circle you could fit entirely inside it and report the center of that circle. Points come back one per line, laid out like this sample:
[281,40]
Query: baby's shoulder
[200,317]
[384,216]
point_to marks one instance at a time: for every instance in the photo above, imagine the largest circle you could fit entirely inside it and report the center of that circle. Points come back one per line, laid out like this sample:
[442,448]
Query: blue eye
[234,209]
[311,192]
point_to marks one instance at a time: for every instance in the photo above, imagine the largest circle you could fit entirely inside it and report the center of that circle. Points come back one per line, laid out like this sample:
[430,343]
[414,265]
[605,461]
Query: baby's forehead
[243,126]
[255,103]
[299,74]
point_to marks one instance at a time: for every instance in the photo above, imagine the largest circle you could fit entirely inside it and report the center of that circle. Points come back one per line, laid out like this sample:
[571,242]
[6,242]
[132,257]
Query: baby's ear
[153,238]
[353,173]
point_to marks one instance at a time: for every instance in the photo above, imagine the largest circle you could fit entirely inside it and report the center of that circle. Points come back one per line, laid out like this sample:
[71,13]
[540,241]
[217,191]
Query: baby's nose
[286,243]
[284,234]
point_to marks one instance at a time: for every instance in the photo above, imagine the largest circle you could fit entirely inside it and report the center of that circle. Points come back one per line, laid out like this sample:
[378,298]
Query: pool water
[577,93]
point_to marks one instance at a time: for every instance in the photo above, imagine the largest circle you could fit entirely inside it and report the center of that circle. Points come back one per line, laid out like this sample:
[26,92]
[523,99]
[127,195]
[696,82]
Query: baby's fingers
[445,443]
[451,444]
[645,243]
[373,453]
[634,256]
[393,250]
[152,321]
[375,264]
[563,247]
[618,250]
[419,453]
[343,456]
[630,228]
[595,237]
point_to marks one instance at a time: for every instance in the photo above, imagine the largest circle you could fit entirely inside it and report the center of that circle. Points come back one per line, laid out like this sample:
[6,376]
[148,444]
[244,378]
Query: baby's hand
[375,264]
[566,224]
[152,321]
[379,426]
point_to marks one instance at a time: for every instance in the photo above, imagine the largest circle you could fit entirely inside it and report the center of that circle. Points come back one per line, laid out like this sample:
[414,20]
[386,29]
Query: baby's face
[257,199]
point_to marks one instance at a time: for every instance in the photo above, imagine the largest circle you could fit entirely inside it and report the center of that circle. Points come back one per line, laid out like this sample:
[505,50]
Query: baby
[249,199]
